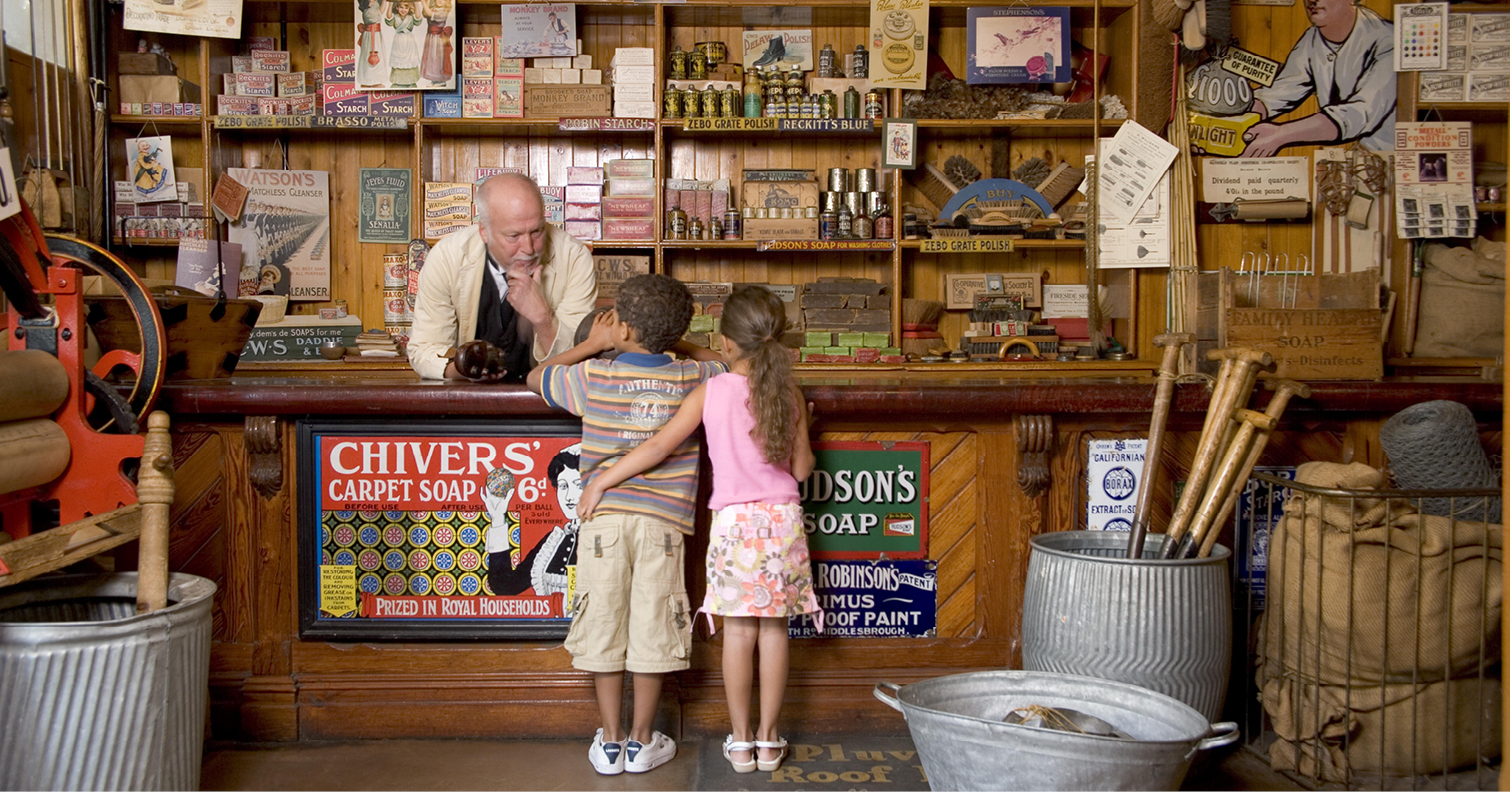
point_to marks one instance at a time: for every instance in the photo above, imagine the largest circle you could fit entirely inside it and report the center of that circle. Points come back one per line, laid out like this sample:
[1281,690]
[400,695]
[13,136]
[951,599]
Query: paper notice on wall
[213,18]
[1225,180]
[10,196]
[1434,178]
[1135,161]
[1421,37]
[1112,475]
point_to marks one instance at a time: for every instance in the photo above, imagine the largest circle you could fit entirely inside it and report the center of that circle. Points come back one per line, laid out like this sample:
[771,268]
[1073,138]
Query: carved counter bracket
[1035,441]
[264,454]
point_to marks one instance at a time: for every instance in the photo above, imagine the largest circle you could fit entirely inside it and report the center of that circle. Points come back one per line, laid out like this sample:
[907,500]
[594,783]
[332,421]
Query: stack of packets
[448,208]
[629,199]
[1478,61]
[261,83]
[1434,180]
[704,201]
[162,221]
[490,87]
[634,81]
[398,311]
[339,95]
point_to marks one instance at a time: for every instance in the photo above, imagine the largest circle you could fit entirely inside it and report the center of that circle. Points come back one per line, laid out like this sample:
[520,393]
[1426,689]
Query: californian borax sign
[867,498]
[873,599]
[439,528]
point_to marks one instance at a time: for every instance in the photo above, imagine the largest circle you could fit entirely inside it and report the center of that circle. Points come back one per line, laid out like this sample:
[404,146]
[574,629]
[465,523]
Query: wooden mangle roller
[33,448]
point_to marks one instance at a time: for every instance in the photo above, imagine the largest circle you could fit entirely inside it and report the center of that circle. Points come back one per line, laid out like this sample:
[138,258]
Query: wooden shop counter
[1006,456]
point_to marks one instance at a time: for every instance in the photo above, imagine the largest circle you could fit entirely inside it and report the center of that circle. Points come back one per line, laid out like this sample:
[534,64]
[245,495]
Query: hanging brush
[1218,27]
[1033,170]
[961,172]
[1057,186]
[934,185]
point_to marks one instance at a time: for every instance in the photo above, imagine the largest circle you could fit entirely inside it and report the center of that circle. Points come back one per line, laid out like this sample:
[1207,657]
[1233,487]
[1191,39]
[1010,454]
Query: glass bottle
[676,223]
[753,97]
[884,229]
[695,228]
[845,228]
[862,225]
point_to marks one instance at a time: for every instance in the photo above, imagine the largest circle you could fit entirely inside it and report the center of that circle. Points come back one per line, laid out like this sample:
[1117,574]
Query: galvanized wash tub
[1162,625]
[93,696]
[957,724]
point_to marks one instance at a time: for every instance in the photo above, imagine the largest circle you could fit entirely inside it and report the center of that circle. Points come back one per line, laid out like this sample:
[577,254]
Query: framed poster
[867,498]
[900,138]
[284,232]
[437,530]
[384,206]
[1017,44]
[405,45]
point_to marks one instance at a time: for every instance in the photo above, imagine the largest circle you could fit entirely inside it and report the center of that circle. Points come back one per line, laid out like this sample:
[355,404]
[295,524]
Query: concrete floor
[453,765]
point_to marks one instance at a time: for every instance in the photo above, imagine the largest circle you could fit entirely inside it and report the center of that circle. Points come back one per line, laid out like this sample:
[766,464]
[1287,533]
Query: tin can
[826,60]
[715,51]
[838,180]
[855,202]
[697,65]
[863,227]
[678,60]
[732,224]
[710,102]
[1481,194]
[877,203]
[1494,194]
[830,106]
[676,224]
[399,331]
[830,200]
[851,103]
[828,225]
[672,105]
[865,179]
[730,103]
[859,63]
[875,104]
[341,306]
[395,270]
[810,212]
[395,306]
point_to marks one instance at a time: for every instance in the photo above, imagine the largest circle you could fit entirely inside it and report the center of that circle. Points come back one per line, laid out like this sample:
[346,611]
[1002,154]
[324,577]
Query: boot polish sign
[783,49]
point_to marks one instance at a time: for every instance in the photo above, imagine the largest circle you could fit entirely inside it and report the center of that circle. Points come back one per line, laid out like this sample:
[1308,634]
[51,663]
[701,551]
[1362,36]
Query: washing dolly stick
[1173,344]
[1231,390]
[1283,391]
[1233,457]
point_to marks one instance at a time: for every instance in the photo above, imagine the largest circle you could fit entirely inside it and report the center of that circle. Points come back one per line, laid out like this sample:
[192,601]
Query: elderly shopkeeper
[511,280]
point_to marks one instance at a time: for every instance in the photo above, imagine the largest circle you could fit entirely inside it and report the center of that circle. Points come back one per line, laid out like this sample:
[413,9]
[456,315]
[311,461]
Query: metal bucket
[1162,625]
[957,724]
[93,696]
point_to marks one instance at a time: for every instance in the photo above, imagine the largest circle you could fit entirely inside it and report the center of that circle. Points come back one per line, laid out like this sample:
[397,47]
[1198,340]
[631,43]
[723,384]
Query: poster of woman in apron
[371,69]
[403,59]
[438,62]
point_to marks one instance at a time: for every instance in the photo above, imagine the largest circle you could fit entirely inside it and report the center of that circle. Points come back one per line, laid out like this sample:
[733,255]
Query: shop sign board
[866,499]
[873,599]
[437,531]
[308,122]
[599,124]
[975,245]
[825,244]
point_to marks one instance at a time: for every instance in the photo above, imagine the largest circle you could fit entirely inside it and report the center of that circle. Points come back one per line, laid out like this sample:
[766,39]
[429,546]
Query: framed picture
[900,136]
[1017,44]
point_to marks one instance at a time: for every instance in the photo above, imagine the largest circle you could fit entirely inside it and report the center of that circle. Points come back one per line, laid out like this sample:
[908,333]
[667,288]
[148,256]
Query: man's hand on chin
[526,293]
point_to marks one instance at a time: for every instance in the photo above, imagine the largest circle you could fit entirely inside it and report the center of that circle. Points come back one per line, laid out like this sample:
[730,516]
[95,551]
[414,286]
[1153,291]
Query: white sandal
[767,765]
[730,745]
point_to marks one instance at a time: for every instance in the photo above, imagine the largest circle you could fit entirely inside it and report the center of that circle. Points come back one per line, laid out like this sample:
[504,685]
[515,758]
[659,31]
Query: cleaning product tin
[838,179]
[672,104]
[697,65]
[730,103]
[829,200]
[714,51]
[826,61]
[877,202]
[859,62]
[865,179]
[732,224]
[875,104]
[678,60]
[855,202]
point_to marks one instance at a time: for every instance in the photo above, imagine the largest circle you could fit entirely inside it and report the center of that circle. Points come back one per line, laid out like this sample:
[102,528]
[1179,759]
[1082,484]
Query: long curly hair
[754,319]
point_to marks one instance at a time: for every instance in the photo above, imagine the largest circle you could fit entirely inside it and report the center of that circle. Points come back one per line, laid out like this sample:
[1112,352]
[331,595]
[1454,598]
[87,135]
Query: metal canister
[865,179]
[678,60]
[732,224]
[730,103]
[827,59]
[794,78]
[672,103]
[875,104]
[838,180]
[710,102]
[828,224]
[851,103]
[877,203]
[341,309]
[714,51]
[855,201]
[697,65]
[692,103]
[859,62]
[830,201]
[395,303]
[830,105]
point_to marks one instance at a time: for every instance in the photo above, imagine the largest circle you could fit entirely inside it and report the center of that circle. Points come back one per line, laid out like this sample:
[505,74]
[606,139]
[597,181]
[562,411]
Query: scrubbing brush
[1032,171]
[1218,26]
[934,185]
[921,314]
[1058,185]
[961,172]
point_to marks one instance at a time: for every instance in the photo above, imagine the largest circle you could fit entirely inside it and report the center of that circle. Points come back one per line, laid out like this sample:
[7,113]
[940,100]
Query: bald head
[511,216]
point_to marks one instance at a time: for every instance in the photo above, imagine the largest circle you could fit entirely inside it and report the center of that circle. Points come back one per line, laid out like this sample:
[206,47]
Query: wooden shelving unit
[446,149]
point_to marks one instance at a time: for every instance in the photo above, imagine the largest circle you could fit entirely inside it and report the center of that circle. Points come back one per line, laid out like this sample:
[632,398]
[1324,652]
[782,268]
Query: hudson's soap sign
[867,498]
[443,527]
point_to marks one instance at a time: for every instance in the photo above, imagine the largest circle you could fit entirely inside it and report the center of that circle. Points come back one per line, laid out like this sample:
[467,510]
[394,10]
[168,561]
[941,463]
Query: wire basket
[1373,635]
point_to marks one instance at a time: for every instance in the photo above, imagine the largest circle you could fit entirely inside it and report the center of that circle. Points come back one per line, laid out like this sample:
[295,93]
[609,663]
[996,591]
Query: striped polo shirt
[622,403]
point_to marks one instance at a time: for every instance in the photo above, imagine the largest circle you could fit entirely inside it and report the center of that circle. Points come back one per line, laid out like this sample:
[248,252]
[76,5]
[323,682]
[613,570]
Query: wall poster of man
[151,162]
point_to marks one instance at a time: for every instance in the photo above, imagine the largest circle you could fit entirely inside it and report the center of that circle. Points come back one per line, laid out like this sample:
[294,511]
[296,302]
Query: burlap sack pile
[1380,625]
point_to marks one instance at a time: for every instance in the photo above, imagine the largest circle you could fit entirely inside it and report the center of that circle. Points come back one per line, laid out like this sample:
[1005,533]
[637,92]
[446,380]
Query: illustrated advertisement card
[150,160]
[538,30]
[201,263]
[1134,164]
[406,44]
[440,531]
[385,205]
[213,18]
[1017,44]
[284,232]
[899,43]
[784,48]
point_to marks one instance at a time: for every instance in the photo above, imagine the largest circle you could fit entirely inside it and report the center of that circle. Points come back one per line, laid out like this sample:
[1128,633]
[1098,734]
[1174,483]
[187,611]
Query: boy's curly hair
[658,307]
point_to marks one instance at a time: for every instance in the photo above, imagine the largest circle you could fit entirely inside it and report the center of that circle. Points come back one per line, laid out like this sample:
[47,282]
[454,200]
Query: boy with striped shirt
[631,611]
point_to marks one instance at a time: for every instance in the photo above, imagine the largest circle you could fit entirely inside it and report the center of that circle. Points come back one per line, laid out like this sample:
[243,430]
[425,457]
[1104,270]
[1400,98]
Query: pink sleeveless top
[740,472]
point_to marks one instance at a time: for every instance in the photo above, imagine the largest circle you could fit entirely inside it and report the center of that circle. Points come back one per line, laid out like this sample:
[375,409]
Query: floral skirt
[758,562]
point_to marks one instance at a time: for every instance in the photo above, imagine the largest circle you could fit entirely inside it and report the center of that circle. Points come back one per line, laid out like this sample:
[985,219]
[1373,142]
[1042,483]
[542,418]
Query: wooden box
[556,101]
[1317,327]
[143,63]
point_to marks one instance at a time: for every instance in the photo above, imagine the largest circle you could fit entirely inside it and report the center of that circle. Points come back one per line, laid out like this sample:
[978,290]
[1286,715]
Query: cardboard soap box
[150,88]
[143,63]
[779,195]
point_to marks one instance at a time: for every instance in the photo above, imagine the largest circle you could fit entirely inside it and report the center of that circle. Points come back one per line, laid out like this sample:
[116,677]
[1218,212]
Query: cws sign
[867,498]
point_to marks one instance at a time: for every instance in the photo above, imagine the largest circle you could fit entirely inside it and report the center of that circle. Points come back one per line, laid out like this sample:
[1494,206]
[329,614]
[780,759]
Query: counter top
[892,396]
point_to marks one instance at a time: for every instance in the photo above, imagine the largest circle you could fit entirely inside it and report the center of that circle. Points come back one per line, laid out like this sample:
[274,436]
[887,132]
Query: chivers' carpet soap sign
[385,205]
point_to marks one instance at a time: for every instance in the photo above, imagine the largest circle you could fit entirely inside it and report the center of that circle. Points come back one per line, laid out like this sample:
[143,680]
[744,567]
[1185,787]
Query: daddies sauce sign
[446,527]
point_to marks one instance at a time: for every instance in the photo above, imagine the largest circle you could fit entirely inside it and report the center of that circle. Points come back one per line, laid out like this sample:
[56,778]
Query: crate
[1317,327]
[555,101]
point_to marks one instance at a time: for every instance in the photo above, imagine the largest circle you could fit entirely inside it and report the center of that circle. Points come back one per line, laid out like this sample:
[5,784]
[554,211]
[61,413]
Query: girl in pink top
[759,574]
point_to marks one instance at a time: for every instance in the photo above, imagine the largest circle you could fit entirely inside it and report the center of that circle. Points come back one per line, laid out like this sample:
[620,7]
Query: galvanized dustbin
[93,696]
[1165,625]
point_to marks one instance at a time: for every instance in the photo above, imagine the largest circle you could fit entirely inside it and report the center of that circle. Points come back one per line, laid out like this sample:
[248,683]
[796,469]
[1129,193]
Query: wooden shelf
[161,120]
[1020,244]
[523,126]
[1019,127]
[1466,111]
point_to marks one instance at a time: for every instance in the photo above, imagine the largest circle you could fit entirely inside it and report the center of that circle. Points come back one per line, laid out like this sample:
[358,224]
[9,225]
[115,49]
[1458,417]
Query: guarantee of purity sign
[867,498]
[438,531]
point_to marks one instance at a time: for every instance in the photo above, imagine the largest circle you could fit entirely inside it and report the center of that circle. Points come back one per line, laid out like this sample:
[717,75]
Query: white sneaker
[607,757]
[644,757]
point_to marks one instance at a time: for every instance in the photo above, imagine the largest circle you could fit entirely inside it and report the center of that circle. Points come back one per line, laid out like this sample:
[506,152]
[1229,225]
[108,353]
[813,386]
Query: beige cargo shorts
[631,611]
